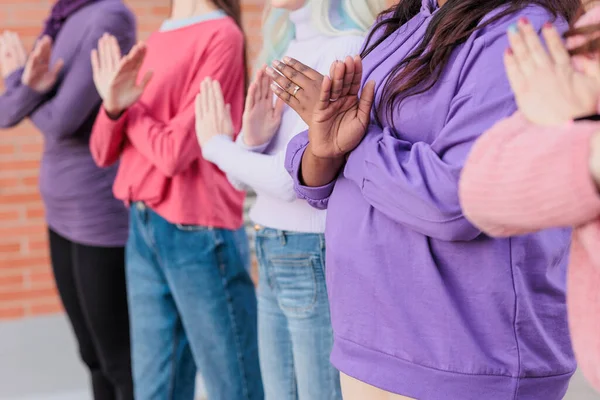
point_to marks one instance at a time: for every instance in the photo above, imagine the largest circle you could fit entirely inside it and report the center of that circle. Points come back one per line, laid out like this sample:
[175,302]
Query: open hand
[336,116]
[548,89]
[38,74]
[213,116]
[12,53]
[115,77]
[261,118]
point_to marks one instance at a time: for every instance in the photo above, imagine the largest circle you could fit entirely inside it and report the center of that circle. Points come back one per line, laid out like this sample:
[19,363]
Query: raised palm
[12,53]
[261,118]
[38,74]
[340,118]
[336,116]
[116,77]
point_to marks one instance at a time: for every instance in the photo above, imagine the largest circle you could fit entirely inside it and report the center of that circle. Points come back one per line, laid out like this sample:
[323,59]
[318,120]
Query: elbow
[9,120]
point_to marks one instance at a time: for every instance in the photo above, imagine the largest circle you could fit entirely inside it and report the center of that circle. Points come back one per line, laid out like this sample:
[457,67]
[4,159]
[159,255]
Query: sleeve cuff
[257,149]
[215,146]
[113,124]
[295,152]
[14,79]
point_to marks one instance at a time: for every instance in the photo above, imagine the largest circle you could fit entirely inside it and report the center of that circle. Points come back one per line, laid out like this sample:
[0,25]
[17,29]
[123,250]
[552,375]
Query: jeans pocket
[295,283]
[192,228]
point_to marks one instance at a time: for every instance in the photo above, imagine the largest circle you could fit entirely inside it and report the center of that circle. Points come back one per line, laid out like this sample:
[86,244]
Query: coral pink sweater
[161,163]
[521,178]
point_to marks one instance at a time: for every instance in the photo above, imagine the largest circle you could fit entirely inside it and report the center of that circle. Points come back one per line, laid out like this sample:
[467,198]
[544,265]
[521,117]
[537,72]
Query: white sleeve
[261,172]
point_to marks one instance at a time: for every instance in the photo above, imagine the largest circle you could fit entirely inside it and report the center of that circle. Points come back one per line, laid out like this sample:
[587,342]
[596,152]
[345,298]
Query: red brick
[24,294]
[51,307]
[11,279]
[12,312]
[35,212]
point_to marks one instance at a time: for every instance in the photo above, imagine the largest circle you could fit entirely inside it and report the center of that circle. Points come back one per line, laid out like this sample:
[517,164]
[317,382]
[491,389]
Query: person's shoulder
[110,15]
[497,22]
[222,29]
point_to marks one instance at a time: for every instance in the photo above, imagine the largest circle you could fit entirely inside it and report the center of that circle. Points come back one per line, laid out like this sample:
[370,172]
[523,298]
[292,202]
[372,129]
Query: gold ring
[296,90]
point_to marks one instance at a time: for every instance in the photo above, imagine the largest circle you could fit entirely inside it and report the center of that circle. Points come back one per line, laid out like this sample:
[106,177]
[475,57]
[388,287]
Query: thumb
[146,79]
[366,102]
[278,109]
[58,66]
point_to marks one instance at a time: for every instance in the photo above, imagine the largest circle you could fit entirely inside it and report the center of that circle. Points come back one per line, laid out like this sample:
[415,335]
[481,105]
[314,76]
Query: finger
[348,76]
[283,83]
[366,102]
[266,82]
[115,51]
[103,50]
[198,107]
[258,85]
[218,101]
[286,97]
[325,95]
[292,74]
[532,41]
[357,78]
[555,45]
[250,97]
[206,94]
[303,69]
[339,73]
[21,49]
[513,72]
[95,62]
[520,51]
[45,49]
[228,122]
[278,108]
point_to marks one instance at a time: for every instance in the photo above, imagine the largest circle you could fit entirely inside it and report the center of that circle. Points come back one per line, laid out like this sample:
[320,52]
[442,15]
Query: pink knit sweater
[522,178]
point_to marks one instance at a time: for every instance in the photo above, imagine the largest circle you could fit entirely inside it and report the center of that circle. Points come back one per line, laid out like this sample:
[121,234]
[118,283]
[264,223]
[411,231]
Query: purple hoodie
[422,303]
[78,197]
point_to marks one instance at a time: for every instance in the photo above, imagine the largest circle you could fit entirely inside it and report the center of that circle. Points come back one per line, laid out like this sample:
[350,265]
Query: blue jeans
[294,326]
[191,303]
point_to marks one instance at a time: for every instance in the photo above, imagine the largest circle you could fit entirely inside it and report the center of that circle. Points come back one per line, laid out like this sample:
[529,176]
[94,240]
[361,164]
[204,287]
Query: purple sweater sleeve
[75,95]
[17,101]
[317,197]
[416,184]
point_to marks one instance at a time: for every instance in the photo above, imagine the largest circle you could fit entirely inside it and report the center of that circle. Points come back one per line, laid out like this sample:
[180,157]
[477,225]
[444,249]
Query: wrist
[249,141]
[112,112]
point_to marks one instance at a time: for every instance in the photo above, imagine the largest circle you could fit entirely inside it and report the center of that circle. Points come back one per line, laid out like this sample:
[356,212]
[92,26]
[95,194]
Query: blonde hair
[357,16]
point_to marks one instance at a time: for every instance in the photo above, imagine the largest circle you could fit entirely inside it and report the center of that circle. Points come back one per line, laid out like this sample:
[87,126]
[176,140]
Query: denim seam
[236,332]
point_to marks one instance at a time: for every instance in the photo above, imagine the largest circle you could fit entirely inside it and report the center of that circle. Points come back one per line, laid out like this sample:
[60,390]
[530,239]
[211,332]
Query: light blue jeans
[294,326]
[191,302]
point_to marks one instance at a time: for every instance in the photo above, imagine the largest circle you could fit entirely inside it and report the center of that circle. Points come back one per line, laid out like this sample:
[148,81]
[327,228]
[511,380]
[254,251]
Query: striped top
[77,194]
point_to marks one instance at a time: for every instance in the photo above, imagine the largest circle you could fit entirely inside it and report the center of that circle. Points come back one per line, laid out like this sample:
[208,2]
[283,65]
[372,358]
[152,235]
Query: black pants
[91,283]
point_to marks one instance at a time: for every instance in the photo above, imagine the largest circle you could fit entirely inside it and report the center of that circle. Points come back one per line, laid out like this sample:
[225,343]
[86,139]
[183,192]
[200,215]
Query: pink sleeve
[108,136]
[521,178]
[172,146]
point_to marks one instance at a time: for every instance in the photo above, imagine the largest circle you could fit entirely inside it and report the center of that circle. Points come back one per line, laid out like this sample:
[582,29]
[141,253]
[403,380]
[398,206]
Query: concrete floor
[38,361]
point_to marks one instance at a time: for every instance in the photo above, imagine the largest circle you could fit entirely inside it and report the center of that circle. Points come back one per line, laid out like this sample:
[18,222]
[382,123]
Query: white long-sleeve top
[276,205]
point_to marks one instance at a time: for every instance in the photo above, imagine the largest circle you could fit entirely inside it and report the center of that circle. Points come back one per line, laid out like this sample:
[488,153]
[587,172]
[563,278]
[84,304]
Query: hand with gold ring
[297,85]
[12,53]
[337,117]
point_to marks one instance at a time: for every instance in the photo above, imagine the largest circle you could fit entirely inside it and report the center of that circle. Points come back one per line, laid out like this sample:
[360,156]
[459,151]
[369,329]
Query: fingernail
[286,59]
[274,87]
[547,25]
[277,63]
[512,29]
[524,20]
[270,71]
[509,51]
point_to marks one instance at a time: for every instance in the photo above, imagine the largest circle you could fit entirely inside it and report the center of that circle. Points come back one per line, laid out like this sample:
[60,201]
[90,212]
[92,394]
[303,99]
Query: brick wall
[26,283]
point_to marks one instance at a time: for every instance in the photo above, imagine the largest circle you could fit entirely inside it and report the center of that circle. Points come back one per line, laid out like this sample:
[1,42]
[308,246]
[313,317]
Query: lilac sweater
[422,303]
[77,194]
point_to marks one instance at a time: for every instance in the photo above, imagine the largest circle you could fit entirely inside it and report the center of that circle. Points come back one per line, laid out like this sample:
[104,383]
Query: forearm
[523,178]
[262,172]
[18,101]
[316,171]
